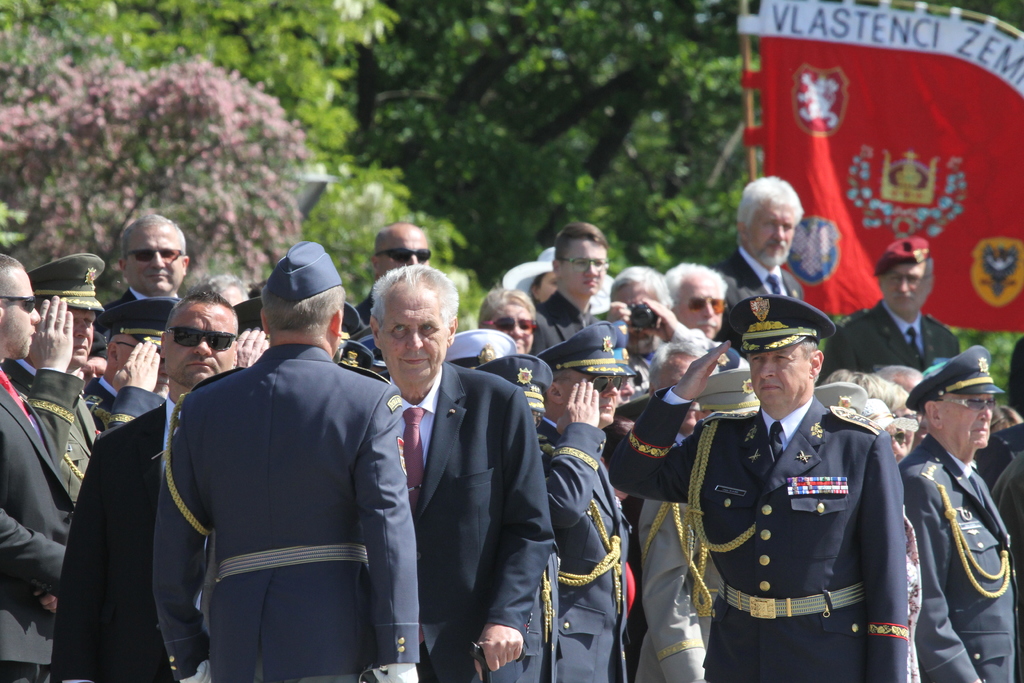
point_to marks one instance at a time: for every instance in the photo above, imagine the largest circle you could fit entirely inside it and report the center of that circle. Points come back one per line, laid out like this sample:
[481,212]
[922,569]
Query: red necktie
[413,452]
[5,382]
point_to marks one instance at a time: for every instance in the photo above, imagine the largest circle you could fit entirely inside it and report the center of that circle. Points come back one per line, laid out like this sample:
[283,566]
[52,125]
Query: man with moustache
[966,632]
[105,627]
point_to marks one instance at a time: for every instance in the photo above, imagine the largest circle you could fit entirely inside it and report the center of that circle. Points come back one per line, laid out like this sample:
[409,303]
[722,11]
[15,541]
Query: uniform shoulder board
[856,315]
[848,415]
[216,378]
[365,373]
[395,402]
[929,471]
[92,400]
[731,415]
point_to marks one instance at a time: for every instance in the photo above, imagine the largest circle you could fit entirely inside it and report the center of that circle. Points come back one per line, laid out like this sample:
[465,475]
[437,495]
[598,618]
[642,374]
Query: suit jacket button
[418,556]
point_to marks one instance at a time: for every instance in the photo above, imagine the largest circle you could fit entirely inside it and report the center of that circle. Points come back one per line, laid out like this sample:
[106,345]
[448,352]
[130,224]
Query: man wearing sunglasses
[153,259]
[396,245]
[112,536]
[967,627]
[590,529]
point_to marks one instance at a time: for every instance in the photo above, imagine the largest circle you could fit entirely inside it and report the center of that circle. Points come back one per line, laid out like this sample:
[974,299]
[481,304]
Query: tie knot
[413,415]
[773,282]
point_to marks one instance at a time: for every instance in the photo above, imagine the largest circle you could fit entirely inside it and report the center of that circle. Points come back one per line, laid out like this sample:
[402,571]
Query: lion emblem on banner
[908,196]
[819,99]
[814,255]
[997,272]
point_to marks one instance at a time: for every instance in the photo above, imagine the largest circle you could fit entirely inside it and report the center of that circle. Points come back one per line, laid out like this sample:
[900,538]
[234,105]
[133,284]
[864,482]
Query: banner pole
[748,94]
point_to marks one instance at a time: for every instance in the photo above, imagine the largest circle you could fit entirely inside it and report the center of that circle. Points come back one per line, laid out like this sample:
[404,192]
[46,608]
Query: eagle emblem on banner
[908,197]
[814,254]
[997,271]
[819,99]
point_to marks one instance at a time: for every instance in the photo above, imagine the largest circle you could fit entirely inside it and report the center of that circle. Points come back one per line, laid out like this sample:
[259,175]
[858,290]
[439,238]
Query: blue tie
[775,285]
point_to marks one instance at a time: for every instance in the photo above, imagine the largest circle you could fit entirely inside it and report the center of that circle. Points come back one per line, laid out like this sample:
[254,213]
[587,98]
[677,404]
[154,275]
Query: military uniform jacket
[742,282]
[591,618]
[292,451]
[961,635]
[35,514]
[802,545]
[106,625]
[109,410]
[73,423]
[870,339]
[557,320]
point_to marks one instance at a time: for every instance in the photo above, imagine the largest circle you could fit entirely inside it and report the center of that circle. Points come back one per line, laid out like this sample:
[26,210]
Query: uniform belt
[286,557]
[770,608]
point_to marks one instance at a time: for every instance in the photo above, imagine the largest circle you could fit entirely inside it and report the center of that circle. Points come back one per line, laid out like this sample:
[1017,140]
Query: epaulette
[929,471]
[856,418]
[92,400]
[219,376]
[364,372]
[102,415]
[856,315]
[731,415]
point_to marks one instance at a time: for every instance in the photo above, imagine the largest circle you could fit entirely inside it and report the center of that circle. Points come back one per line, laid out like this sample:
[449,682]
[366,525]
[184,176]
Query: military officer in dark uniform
[967,628]
[799,504]
[295,462]
[128,326]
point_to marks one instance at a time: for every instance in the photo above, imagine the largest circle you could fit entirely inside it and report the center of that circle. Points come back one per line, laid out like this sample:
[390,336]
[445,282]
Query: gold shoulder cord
[175,496]
[611,561]
[659,519]
[967,557]
[693,520]
[549,608]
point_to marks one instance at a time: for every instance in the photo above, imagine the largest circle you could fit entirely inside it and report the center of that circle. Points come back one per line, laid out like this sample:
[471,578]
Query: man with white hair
[698,297]
[767,217]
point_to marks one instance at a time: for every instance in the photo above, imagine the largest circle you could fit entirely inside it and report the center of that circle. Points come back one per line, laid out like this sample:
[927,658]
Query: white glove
[396,673]
[202,674]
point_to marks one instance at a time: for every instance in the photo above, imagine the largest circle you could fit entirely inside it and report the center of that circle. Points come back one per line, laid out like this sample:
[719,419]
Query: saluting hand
[142,369]
[584,406]
[696,377]
[251,344]
[501,645]
[53,341]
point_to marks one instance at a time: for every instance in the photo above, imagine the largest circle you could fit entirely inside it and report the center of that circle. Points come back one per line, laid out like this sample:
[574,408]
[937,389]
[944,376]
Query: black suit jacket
[35,513]
[870,339]
[743,282]
[107,625]
[557,320]
[125,298]
[483,529]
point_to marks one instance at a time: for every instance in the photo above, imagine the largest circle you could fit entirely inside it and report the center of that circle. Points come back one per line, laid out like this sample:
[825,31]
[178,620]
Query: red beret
[912,249]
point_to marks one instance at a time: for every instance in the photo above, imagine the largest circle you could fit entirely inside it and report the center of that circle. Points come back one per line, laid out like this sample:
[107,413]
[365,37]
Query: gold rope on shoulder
[175,496]
[655,528]
[967,557]
[693,520]
[71,466]
[613,546]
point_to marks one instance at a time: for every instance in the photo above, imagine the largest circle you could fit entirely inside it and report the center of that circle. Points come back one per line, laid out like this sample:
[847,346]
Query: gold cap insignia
[487,354]
[748,386]
[983,365]
[625,356]
[845,401]
[525,375]
[90,276]
[759,307]
[606,344]
[920,255]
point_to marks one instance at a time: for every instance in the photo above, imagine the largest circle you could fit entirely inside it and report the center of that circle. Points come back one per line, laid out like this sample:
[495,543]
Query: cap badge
[748,386]
[606,344]
[920,255]
[845,401]
[525,375]
[983,365]
[759,307]
[487,354]
[90,276]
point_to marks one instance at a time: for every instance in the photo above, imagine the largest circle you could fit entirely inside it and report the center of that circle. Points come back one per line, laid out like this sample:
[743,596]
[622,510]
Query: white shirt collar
[762,272]
[168,408]
[429,402]
[902,324]
[790,423]
[966,468]
[24,363]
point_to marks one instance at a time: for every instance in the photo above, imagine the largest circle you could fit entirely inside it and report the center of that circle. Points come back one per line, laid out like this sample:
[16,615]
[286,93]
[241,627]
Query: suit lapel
[445,434]
[802,452]
[895,340]
[147,445]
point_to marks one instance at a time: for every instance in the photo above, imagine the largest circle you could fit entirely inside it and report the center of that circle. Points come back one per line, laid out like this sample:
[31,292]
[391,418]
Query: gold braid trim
[71,466]
[611,561]
[103,415]
[967,557]
[57,410]
[576,453]
[646,448]
[680,646]
[549,608]
[694,523]
[121,418]
[175,496]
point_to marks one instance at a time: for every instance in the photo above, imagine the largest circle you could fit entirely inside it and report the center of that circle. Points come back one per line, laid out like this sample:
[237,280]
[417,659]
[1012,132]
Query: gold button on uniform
[765,586]
[980,544]
[565,625]
[855,628]
[401,641]
[173,668]
[765,534]
[977,655]
[401,648]
[820,508]
[766,510]
[728,502]
[171,658]
[764,559]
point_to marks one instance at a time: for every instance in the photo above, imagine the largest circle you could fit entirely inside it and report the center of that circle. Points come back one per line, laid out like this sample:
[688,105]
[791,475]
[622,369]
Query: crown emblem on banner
[907,180]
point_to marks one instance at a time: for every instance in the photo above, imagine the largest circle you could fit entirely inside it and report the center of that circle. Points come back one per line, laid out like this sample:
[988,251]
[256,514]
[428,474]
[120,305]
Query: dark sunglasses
[508,324]
[147,255]
[189,336]
[698,303]
[405,255]
[27,303]
[601,383]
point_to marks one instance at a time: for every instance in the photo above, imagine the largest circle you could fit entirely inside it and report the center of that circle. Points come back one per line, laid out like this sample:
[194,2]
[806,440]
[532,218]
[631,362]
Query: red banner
[891,123]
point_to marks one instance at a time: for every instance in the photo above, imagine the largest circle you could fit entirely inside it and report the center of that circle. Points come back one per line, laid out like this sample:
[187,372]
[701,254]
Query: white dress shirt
[762,272]
[903,326]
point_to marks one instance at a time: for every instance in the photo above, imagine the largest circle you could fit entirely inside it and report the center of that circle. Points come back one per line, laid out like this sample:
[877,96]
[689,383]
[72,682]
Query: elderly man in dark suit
[476,483]
[894,332]
[105,628]
[766,220]
[295,462]
[35,508]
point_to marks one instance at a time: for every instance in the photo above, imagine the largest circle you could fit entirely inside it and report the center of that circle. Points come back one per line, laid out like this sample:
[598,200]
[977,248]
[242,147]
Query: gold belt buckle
[762,608]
